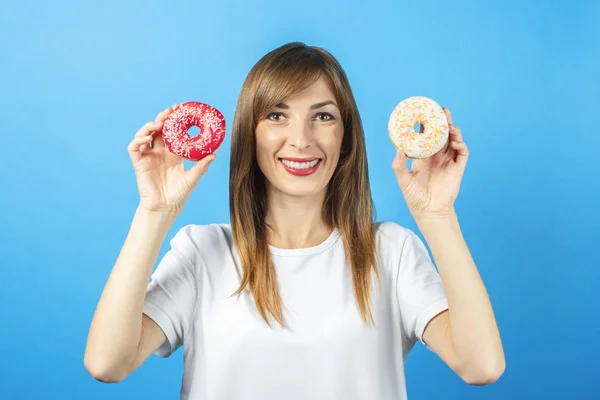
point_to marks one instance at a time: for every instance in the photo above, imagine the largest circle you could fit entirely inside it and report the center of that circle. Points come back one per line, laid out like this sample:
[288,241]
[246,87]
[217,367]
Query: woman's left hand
[432,185]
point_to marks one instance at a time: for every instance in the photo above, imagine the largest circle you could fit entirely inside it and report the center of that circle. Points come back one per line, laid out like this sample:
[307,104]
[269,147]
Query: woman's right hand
[163,182]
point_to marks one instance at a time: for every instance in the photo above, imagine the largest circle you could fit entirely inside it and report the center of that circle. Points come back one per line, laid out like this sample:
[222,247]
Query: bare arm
[120,336]
[466,337]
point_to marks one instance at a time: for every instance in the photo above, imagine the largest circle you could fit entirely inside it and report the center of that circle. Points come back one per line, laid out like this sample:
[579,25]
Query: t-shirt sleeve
[172,292]
[420,292]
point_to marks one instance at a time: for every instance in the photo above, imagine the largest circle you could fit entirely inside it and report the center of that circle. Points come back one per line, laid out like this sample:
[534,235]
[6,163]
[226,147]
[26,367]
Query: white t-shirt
[327,352]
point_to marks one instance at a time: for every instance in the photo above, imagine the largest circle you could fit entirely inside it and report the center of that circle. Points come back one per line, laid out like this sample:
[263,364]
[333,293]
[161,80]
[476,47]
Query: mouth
[300,166]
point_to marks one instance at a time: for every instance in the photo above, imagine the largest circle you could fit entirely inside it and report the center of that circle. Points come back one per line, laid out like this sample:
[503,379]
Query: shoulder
[398,244]
[194,240]
[392,233]
[204,235]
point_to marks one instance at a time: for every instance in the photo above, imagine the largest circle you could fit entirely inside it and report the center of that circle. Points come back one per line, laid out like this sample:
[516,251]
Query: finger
[462,153]
[455,133]
[147,145]
[448,114]
[200,168]
[137,146]
[161,116]
[146,132]
[157,135]
[137,141]
[147,128]
[157,141]
[400,168]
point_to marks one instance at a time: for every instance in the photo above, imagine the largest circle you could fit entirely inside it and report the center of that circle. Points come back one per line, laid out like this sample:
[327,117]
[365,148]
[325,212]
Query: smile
[301,167]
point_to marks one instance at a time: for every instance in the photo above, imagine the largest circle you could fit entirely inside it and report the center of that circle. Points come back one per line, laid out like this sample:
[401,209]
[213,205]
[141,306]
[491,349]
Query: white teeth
[297,165]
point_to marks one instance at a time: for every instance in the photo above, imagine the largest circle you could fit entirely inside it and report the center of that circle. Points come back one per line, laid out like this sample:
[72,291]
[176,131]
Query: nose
[300,135]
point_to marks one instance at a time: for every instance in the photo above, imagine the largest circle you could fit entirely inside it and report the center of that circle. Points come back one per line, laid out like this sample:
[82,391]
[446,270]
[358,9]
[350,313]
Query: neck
[295,222]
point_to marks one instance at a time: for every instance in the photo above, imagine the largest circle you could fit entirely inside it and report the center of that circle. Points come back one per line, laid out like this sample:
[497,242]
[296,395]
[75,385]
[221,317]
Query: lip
[299,159]
[301,172]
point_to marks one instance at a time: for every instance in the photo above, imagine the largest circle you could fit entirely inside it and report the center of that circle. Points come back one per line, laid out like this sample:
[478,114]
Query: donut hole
[193,131]
[417,128]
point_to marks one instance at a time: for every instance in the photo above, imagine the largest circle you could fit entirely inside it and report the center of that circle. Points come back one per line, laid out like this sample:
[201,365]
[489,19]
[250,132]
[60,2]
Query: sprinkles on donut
[208,119]
[418,110]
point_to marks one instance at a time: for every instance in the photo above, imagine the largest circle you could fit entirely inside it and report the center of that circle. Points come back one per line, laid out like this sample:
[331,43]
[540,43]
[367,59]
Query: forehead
[320,90]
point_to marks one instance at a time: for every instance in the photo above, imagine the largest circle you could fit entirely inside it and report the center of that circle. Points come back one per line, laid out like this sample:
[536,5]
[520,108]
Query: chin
[301,178]
[298,190]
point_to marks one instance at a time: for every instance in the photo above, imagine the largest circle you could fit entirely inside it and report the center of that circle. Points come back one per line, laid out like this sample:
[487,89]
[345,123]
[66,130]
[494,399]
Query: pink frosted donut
[193,113]
[418,110]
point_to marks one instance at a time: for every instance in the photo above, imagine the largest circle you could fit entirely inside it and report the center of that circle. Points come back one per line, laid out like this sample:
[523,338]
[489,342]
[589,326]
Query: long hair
[348,204]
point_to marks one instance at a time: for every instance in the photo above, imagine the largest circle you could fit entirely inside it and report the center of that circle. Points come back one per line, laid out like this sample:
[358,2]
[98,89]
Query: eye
[324,116]
[275,116]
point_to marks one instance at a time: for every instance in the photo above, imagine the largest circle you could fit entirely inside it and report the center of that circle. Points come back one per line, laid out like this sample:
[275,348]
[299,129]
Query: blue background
[77,79]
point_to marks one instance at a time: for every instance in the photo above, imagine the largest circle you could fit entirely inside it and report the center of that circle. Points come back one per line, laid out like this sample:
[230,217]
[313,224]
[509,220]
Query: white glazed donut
[418,110]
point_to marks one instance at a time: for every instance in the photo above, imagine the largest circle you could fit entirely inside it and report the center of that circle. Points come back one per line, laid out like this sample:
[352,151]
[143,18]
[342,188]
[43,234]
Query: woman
[302,296]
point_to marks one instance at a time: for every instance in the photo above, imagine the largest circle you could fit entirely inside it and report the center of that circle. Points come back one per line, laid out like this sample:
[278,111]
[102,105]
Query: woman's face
[298,142]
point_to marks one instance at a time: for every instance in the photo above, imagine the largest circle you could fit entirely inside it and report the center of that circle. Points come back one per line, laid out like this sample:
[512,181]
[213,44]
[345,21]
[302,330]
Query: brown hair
[348,204]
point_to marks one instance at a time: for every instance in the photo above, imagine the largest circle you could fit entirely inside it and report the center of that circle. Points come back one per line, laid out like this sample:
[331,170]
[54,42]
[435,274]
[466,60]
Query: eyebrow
[313,107]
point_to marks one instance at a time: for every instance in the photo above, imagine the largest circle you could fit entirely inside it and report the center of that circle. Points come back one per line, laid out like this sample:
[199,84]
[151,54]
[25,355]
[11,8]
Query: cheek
[267,143]
[333,142]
